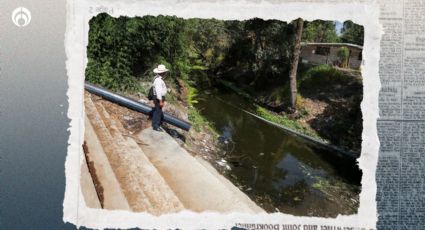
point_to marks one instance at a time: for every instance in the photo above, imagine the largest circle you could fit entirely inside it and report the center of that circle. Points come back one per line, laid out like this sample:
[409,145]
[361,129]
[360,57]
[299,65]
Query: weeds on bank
[285,121]
[194,116]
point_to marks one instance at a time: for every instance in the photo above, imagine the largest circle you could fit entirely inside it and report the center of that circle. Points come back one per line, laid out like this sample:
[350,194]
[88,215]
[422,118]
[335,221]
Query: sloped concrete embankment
[140,183]
[198,187]
[157,176]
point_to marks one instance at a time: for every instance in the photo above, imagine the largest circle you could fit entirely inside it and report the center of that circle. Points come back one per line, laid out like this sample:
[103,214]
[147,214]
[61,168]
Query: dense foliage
[352,33]
[123,51]
[320,31]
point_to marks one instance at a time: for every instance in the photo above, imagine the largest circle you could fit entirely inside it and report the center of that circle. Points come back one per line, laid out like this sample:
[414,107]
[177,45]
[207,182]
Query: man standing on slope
[159,91]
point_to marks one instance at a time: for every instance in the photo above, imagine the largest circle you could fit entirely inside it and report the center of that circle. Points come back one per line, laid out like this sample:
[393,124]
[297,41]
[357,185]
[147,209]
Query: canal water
[279,171]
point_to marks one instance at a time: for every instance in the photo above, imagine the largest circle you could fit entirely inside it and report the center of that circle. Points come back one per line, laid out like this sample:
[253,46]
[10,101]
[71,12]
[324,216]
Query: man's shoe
[159,129]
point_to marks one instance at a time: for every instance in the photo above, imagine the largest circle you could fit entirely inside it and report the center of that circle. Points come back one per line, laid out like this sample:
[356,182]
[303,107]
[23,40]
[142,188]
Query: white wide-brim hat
[160,69]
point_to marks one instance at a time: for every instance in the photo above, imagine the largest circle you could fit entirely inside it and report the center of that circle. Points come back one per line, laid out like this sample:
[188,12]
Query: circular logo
[21,16]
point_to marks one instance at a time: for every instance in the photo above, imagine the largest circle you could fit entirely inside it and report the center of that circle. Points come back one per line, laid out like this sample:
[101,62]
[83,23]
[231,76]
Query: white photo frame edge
[76,40]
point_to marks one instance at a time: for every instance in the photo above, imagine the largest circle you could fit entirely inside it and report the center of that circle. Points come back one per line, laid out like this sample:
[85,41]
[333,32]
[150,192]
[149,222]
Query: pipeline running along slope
[134,105]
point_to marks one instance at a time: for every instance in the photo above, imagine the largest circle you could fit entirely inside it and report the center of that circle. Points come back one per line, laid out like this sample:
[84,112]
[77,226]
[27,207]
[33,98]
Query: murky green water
[281,172]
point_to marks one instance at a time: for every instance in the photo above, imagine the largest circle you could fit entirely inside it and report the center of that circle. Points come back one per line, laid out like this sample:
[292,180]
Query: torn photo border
[79,12]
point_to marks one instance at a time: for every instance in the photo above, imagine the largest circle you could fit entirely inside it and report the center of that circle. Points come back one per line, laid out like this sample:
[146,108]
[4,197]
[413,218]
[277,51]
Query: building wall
[354,61]
[308,55]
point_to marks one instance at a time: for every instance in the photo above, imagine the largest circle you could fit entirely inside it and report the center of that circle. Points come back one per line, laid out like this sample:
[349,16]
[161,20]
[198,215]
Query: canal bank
[320,143]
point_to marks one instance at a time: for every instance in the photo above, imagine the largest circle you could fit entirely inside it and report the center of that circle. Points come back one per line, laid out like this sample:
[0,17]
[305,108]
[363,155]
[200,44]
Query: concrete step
[142,185]
[110,149]
[113,196]
[197,188]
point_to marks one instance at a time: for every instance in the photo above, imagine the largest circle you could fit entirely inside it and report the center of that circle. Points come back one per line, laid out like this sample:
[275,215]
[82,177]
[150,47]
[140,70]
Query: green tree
[320,31]
[259,52]
[207,41]
[352,33]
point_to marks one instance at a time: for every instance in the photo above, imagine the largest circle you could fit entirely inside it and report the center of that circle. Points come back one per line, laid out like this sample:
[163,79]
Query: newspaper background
[400,172]
[400,199]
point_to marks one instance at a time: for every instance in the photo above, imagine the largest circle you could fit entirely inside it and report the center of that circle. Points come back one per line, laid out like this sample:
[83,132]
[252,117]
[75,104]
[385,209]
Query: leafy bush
[321,76]
[343,53]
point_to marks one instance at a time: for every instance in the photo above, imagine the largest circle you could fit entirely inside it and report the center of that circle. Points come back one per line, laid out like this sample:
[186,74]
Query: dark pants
[157,115]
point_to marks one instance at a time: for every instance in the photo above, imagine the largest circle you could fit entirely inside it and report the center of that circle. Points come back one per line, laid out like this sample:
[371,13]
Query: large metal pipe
[134,105]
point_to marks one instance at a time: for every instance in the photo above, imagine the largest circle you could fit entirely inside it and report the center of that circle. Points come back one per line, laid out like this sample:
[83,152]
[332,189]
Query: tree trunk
[294,64]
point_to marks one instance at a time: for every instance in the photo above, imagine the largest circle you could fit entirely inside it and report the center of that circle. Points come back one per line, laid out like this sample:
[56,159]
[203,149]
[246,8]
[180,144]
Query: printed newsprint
[400,172]
[392,70]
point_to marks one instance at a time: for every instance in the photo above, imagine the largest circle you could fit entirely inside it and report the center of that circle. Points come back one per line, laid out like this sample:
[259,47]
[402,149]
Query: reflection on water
[281,172]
